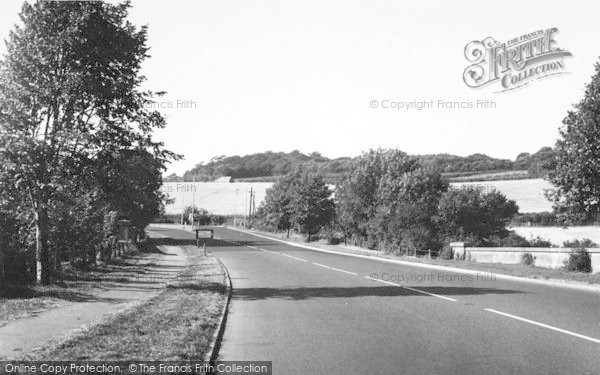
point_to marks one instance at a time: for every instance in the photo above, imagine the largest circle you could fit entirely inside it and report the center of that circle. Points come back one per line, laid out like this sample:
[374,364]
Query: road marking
[412,289]
[344,271]
[428,266]
[321,265]
[429,294]
[381,281]
[293,257]
[269,251]
[597,341]
[252,247]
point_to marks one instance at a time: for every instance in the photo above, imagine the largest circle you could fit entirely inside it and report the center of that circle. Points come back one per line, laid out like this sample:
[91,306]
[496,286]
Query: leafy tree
[276,210]
[299,199]
[357,196]
[577,173]
[406,208]
[130,181]
[471,214]
[69,91]
[311,204]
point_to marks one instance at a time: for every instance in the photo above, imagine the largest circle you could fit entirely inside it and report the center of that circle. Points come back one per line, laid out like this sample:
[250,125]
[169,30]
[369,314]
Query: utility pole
[250,207]
[193,200]
[235,208]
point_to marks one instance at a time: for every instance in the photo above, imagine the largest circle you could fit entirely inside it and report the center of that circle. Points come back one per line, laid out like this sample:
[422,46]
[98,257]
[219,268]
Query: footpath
[19,337]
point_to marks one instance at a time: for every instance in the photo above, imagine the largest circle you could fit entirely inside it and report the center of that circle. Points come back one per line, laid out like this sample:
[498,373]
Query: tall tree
[276,210]
[357,197]
[70,90]
[311,204]
[577,173]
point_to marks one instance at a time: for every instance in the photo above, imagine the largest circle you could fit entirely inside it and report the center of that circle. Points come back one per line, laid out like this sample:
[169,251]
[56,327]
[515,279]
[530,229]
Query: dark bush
[527,259]
[536,219]
[579,261]
[512,239]
[446,253]
[217,219]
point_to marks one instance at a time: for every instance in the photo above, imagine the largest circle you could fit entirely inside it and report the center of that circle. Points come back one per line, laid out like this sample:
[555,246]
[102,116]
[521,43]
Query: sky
[251,76]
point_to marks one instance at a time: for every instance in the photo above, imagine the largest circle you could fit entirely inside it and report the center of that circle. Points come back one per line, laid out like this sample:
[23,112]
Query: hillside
[266,166]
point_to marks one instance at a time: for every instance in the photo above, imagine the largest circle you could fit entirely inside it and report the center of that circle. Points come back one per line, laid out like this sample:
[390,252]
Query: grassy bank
[176,324]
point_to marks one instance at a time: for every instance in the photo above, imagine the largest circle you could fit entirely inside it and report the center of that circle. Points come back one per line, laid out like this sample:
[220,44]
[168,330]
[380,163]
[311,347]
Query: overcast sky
[285,75]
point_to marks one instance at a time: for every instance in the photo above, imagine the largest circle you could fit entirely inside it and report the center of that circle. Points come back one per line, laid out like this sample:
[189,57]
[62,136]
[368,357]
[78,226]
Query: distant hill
[266,166]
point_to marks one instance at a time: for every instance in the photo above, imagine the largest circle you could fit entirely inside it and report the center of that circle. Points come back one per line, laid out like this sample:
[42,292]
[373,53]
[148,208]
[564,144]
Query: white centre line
[293,257]
[412,289]
[430,294]
[269,251]
[597,341]
[344,271]
[381,281]
[321,265]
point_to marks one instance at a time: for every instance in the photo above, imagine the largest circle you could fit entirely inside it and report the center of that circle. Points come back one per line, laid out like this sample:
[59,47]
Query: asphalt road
[317,313]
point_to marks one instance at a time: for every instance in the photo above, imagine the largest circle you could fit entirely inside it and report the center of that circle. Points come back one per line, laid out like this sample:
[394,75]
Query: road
[320,313]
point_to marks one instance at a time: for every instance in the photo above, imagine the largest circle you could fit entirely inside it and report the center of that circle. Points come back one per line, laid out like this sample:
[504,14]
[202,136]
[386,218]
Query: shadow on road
[254,294]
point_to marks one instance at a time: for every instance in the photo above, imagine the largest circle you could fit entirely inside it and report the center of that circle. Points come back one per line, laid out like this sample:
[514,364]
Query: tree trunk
[41,246]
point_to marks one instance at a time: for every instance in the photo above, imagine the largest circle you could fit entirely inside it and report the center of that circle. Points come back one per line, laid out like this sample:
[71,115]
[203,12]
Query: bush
[540,242]
[334,237]
[536,219]
[217,219]
[527,259]
[583,243]
[446,253]
[579,261]
[510,240]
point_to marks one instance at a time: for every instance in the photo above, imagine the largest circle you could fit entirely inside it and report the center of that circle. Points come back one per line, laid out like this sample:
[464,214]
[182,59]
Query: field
[558,235]
[529,194]
[233,198]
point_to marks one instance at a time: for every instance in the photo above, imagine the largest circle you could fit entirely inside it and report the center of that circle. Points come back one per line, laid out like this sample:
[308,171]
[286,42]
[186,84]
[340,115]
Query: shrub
[527,259]
[536,219]
[579,261]
[510,240]
[217,219]
[446,253]
[540,242]
[334,237]
[583,243]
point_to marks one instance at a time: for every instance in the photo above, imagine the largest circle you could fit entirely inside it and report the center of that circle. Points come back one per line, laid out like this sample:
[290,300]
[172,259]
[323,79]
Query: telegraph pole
[250,206]
[193,200]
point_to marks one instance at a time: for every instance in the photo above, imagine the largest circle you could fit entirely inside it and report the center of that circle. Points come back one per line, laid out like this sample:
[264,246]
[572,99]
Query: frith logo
[515,63]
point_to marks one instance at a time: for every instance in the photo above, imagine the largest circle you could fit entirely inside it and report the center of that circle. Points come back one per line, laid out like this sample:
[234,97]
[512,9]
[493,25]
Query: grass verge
[177,324]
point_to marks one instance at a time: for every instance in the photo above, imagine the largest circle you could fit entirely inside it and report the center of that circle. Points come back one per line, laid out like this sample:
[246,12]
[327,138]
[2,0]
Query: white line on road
[293,257]
[545,326]
[344,271]
[412,289]
[381,281]
[321,265]
[430,294]
[269,251]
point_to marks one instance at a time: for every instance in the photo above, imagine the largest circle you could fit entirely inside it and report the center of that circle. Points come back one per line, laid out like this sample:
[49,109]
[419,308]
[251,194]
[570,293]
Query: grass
[177,324]
[21,301]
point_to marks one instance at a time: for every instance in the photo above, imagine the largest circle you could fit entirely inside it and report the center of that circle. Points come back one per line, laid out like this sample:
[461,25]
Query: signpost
[203,233]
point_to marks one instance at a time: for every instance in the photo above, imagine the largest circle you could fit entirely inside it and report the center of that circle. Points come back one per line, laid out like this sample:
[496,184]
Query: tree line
[75,136]
[388,201]
[269,165]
